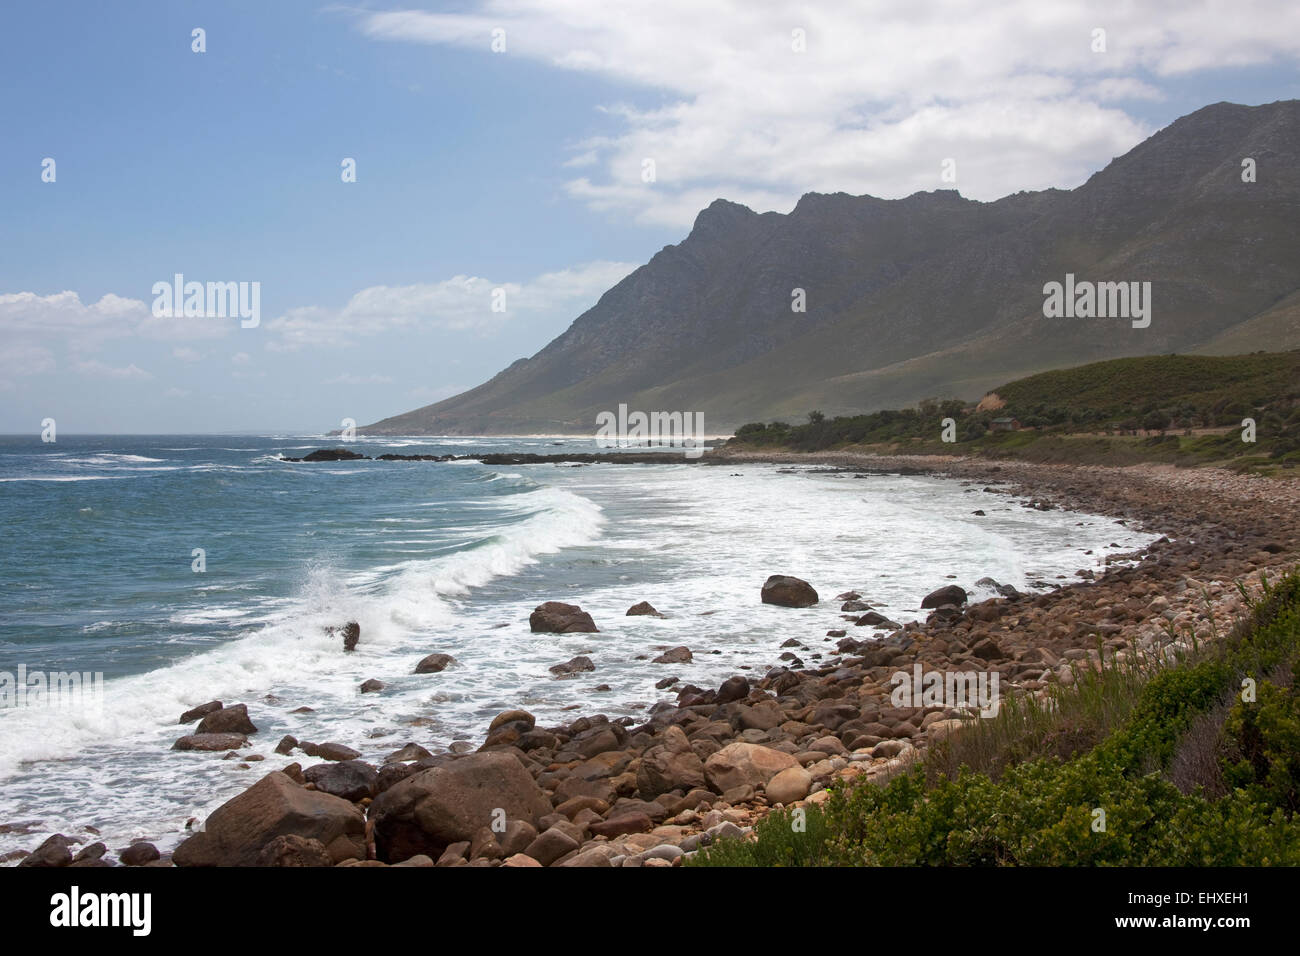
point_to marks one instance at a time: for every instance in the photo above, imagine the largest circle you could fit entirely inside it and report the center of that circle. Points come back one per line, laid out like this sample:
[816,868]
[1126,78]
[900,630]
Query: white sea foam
[692,540]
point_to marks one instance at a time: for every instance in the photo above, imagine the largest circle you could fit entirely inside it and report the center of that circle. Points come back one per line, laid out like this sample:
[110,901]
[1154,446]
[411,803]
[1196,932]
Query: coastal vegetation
[1190,764]
[1178,409]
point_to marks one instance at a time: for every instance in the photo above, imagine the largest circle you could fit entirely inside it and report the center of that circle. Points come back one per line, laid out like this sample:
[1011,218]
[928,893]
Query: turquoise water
[96,575]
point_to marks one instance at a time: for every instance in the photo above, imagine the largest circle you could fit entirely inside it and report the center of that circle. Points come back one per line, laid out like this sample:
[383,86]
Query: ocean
[98,539]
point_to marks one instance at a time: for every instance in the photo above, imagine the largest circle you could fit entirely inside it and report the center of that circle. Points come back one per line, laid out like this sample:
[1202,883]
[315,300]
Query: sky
[513,160]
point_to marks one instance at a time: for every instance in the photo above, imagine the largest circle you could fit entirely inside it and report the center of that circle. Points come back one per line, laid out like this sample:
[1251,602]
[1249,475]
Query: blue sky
[477,170]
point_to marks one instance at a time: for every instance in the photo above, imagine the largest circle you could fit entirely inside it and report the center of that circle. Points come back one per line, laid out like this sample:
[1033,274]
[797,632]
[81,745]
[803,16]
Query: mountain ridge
[932,294]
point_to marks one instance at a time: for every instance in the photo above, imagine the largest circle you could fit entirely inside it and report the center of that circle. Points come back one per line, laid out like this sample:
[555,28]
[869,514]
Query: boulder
[350,632]
[227,720]
[739,763]
[555,617]
[329,751]
[550,846]
[733,688]
[409,752]
[574,666]
[434,664]
[677,655]
[293,850]
[372,686]
[522,717]
[632,821]
[948,594]
[199,712]
[786,591]
[645,608]
[94,851]
[763,715]
[138,854]
[789,785]
[432,809]
[873,619]
[211,742]
[55,851]
[350,779]
[237,831]
[332,454]
[670,764]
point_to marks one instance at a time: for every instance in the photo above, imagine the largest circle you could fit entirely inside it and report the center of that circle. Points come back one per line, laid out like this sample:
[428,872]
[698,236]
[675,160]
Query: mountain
[931,295]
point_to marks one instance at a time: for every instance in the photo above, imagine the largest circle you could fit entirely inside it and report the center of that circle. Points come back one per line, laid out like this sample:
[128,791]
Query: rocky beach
[705,763]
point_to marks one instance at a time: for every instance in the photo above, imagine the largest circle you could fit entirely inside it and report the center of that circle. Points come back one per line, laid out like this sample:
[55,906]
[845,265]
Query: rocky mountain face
[931,295]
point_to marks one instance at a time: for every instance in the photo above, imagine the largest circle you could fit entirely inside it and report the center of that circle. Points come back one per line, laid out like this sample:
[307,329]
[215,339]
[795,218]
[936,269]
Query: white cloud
[186,354]
[64,316]
[101,370]
[461,303]
[883,92]
[241,358]
[23,361]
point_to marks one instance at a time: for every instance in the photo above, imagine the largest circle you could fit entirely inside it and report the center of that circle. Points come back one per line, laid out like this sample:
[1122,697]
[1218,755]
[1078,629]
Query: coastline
[588,788]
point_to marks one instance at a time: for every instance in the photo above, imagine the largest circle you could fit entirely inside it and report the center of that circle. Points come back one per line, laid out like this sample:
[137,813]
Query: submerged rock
[351,633]
[434,664]
[574,666]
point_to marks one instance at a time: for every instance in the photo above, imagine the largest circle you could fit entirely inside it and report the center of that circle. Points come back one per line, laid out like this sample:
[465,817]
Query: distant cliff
[932,295]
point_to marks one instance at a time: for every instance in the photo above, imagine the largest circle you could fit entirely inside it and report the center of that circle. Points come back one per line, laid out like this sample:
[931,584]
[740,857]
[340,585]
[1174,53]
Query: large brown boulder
[227,720]
[740,763]
[210,742]
[293,850]
[431,810]
[350,779]
[948,594]
[56,851]
[329,751]
[555,617]
[434,664]
[787,591]
[199,712]
[239,830]
[670,764]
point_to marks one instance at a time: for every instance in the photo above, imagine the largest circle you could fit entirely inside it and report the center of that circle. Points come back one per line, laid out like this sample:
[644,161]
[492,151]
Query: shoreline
[601,792]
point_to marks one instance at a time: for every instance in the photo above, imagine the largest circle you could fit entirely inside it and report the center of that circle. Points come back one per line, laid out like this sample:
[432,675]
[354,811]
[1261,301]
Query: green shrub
[1111,805]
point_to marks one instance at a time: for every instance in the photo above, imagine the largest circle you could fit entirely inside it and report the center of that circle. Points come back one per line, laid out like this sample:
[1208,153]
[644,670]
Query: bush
[1111,805]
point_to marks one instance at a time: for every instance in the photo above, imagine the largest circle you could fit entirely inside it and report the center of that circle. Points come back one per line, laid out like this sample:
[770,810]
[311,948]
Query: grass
[1124,411]
[1140,762]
